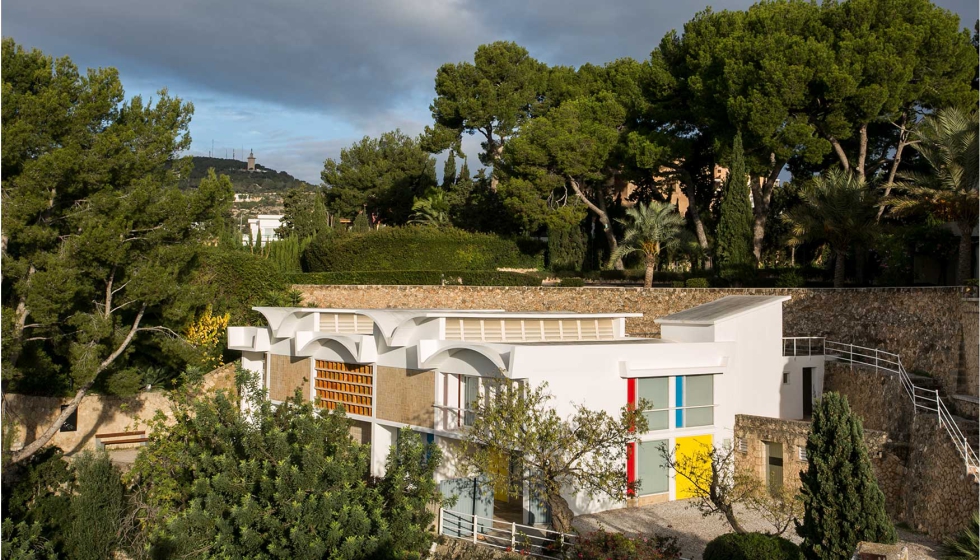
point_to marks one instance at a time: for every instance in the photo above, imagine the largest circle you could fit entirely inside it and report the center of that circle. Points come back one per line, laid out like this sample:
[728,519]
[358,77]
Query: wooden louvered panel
[350,385]
[492,330]
[552,330]
[453,329]
[472,329]
[513,330]
[589,329]
[605,329]
[346,323]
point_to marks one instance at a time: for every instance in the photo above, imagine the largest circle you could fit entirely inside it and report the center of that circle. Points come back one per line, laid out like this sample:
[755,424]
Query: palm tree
[650,228]
[947,140]
[837,209]
[433,210]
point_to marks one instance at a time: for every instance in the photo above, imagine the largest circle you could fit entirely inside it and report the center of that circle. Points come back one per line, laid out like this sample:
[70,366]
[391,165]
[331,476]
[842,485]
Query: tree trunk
[839,267]
[903,137]
[729,514]
[963,269]
[758,234]
[692,209]
[50,431]
[761,199]
[561,514]
[601,212]
[648,277]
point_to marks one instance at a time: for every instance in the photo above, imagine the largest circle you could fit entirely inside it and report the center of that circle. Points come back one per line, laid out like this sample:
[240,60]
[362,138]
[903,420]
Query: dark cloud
[367,63]
[345,57]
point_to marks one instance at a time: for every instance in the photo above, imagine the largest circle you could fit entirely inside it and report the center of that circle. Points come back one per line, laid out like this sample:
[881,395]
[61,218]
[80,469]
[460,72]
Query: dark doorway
[807,392]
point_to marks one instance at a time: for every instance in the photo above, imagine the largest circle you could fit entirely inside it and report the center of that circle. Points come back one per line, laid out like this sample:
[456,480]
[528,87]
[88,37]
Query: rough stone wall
[920,471]
[286,373]
[755,431]
[406,396]
[940,496]
[914,322]
[879,399]
[97,414]
[970,349]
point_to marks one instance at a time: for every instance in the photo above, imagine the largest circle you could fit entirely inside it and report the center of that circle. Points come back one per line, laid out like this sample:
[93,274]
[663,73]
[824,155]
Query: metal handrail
[515,537]
[922,398]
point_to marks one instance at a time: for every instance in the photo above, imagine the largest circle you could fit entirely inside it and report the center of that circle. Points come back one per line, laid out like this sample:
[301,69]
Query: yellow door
[694,459]
[500,466]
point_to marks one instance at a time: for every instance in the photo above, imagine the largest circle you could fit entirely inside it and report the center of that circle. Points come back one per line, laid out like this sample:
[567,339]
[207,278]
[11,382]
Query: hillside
[262,180]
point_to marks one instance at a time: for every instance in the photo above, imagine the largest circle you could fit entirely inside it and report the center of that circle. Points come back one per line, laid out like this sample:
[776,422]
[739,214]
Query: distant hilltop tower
[251,161]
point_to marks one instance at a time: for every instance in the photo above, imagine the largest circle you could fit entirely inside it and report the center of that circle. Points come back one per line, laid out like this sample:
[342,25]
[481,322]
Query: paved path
[693,532]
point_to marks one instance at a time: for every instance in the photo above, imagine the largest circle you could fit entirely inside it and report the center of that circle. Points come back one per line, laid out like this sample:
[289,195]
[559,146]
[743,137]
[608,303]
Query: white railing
[803,346]
[512,537]
[922,398]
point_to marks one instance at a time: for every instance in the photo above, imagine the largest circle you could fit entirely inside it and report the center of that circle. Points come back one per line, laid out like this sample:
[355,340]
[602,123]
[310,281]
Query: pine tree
[96,507]
[449,172]
[843,504]
[734,239]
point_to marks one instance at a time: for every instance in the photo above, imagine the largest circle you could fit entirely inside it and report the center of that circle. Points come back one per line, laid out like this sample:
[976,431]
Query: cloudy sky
[296,80]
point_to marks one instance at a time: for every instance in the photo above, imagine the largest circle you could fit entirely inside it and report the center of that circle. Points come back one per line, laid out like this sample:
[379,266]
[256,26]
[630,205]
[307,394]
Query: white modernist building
[264,225]
[419,368]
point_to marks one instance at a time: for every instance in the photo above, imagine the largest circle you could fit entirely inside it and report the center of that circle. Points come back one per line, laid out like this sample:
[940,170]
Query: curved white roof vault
[430,352]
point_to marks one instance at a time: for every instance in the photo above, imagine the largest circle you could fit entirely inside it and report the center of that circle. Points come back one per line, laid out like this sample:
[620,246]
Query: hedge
[420,249]
[417,278]
[751,546]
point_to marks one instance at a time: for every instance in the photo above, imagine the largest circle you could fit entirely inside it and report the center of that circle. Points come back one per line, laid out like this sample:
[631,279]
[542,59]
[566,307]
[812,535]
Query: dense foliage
[418,278]
[604,545]
[286,482]
[842,501]
[414,248]
[97,238]
[234,281]
[751,546]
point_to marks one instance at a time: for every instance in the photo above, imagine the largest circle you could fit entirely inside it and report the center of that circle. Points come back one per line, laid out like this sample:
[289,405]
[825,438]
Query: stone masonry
[920,471]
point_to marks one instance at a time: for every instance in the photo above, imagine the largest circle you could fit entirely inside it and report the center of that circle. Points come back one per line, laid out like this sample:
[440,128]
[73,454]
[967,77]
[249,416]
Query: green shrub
[566,248]
[790,279]
[677,284]
[751,546]
[572,283]
[697,283]
[234,281]
[415,248]
[96,508]
[417,278]
[603,545]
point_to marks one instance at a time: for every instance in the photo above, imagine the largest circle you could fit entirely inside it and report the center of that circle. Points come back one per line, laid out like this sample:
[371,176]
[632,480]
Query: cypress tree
[96,508]
[843,504]
[361,224]
[449,172]
[734,243]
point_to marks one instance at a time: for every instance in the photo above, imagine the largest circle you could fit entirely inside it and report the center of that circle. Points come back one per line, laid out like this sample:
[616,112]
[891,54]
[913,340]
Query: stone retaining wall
[922,324]
[921,472]
[97,414]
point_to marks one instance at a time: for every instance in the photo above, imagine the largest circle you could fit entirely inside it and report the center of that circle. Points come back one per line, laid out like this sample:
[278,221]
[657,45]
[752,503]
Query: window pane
[653,389]
[699,416]
[698,390]
[656,420]
[650,468]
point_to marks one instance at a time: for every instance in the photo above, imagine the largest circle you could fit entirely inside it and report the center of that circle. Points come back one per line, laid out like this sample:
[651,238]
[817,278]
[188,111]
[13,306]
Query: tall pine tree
[843,504]
[734,239]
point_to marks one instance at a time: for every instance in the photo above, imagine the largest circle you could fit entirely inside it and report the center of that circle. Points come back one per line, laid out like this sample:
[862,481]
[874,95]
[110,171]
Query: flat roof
[470,313]
[720,309]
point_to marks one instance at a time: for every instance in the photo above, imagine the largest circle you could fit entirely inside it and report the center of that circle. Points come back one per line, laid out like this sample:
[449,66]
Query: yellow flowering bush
[205,334]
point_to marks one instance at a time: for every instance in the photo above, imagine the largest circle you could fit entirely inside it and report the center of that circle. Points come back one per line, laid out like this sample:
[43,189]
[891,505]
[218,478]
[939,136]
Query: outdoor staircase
[926,393]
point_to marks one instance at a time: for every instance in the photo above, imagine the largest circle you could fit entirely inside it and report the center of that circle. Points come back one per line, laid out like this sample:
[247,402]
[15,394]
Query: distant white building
[266,224]
[421,368]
